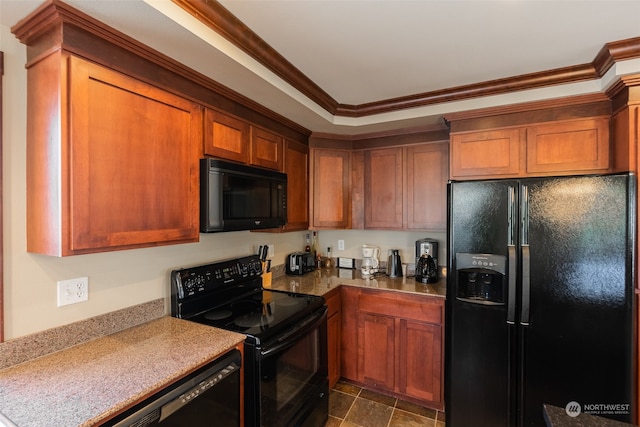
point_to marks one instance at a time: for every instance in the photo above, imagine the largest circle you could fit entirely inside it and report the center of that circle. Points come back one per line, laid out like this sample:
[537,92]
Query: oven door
[291,376]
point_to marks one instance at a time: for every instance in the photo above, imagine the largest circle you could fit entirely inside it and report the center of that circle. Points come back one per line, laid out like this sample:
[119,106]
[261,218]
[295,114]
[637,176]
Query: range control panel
[192,281]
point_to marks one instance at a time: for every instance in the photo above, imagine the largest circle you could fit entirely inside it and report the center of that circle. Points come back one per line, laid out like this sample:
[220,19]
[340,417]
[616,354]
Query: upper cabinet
[405,188]
[556,141]
[296,166]
[115,131]
[330,187]
[102,175]
[266,149]
[226,137]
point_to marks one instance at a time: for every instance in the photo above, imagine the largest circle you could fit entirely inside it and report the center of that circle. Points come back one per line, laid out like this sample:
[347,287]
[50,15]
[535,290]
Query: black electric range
[229,295]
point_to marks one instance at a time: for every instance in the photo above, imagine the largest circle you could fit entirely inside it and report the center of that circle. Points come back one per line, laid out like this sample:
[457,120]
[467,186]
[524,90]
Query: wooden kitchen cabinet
[397,342]
[296,166]
[406,187]
[330,187]
[266,149]
[112,162]
[555,148]
[334,336]
[427,172]
[226,137]
[383,188]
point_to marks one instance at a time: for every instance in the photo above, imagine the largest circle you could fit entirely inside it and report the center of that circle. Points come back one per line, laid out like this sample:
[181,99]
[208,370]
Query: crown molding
[219,19]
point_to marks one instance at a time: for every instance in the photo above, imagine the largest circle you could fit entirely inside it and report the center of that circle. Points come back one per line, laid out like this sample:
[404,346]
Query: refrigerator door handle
[526,258]
[511,300]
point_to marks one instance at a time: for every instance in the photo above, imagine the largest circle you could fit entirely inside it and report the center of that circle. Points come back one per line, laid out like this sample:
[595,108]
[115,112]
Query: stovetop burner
[229,295]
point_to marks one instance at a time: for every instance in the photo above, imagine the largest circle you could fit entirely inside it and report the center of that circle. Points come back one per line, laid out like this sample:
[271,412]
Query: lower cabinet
[334,326]
[393,342]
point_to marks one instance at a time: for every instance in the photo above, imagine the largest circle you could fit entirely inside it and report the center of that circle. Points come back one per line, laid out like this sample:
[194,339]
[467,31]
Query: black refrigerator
[540,299]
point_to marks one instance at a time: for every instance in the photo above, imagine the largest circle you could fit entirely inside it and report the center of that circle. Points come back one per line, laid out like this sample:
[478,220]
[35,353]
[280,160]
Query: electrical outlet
[272,251]
[341,245]
[73,290]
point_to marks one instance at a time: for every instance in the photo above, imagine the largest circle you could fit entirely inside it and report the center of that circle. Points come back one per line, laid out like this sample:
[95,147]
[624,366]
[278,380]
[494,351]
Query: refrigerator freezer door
[578,344]
[480,344]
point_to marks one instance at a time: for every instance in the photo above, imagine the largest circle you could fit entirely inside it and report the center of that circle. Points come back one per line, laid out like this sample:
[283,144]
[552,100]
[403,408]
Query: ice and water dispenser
[481,278]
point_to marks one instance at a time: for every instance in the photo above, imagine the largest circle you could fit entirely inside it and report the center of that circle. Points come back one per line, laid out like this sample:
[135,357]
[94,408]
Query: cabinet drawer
[405,307]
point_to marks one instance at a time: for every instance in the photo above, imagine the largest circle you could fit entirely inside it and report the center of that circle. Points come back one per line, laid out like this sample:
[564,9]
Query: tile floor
[352,406]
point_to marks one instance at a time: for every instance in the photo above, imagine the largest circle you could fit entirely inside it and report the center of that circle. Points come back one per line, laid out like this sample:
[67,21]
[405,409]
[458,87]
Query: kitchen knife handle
[511,302]
[526,285]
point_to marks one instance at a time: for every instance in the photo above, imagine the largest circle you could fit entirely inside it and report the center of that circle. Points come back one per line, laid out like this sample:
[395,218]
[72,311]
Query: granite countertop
[321,281]
[89,383]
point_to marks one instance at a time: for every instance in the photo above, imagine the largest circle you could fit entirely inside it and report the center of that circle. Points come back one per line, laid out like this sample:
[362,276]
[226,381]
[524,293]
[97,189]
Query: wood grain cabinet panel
[384,188]
[334,336]
[226,137]
[296,166]
[331,188]
[124,163]
[420,360]
[376,350]
[574,146]
[427,170]
[486,153]
[266,149]
[554,148]
[393,342]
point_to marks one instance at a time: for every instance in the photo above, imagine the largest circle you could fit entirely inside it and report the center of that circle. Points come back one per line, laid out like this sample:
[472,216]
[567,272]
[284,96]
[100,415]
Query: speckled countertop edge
[321,281]
[89,383]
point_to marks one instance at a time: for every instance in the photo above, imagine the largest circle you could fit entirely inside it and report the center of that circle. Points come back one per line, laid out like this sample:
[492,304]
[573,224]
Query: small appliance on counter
[394,265]
[370,262]
[426,269]
[299,263]
[427,247]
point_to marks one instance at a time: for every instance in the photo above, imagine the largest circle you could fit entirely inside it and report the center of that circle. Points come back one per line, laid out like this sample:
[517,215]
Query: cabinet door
[566,147]
[331,187]
[420,361]
[349,338]
[226,137]
[133,171]
[376,350]
[493,153]
[266,149]
[383,183]
[427,173]
[296,166]
[334,324]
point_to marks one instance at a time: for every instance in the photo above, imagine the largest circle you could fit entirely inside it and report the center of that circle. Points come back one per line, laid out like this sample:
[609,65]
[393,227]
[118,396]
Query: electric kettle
[426,270]
[394,265]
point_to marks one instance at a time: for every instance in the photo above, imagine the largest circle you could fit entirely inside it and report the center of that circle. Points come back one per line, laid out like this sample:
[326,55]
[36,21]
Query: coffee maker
[370,262]
[427,247]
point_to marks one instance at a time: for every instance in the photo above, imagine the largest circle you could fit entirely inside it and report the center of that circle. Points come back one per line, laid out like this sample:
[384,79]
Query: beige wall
[118,279]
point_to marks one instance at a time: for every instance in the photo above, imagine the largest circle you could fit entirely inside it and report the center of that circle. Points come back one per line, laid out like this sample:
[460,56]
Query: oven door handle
[290,338]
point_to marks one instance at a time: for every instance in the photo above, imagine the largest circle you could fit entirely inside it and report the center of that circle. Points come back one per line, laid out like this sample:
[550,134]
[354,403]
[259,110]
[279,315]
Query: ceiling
[367,51]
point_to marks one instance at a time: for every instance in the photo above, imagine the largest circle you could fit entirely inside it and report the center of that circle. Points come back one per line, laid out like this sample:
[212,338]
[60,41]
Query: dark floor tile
[441,416]
[367,413]
[377,397]
[333,422]
[407,419]
[347,388]
[339,403]
[440,424]
[416,409]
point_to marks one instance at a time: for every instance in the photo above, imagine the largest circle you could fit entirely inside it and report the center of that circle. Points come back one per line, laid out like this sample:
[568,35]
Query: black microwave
[238,197]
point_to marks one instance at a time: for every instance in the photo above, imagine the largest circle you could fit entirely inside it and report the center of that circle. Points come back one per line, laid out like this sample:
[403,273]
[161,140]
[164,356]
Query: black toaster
[299,263]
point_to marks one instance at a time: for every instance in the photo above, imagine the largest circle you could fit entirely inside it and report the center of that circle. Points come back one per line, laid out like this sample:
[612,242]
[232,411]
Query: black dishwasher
[208,396]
